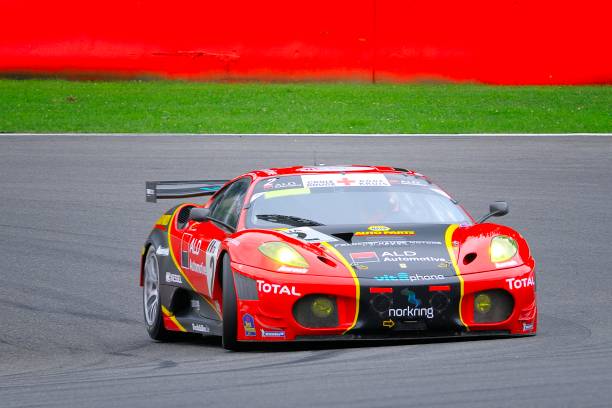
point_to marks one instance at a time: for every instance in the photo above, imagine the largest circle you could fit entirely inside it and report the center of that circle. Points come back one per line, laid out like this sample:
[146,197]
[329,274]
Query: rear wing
[158,190]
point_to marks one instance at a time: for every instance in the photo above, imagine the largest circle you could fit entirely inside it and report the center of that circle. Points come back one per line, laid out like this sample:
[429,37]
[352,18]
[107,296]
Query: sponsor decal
[277,184]
[444,264]
[195,304]
[212,256]
[412,299]
[399,253]
[364,257]
[200,328]
[506,264]
[334,168]
[344,180]
[367,233]
[361,267]
[403,265]
[161,251]
[388,243]
[388,323]
[173,278]
[273,333]
[195,246]
[190,254]
[408,256]
[291,269]
[248,323]
[413,309]
[403,276]
[527,327]
[378,228]
[414,182]
[519,283]
[276,289]
[308,234]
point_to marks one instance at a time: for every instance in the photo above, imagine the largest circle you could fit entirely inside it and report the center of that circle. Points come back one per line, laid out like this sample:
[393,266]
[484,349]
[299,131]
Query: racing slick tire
[230,312]
[151,299]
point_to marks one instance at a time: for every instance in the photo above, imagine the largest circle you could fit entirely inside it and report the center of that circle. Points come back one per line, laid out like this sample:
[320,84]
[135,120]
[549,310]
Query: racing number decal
[212,256]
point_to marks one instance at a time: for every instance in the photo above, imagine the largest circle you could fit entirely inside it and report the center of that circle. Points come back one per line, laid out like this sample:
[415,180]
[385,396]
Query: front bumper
[412,310]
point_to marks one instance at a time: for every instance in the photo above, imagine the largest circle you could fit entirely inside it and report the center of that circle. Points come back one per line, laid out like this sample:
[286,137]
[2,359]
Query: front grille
[246,288]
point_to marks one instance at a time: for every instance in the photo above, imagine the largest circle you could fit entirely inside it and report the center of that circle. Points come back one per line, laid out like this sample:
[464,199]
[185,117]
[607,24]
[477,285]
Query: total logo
[378,228]
[412,312]
[519,283]
[277,289]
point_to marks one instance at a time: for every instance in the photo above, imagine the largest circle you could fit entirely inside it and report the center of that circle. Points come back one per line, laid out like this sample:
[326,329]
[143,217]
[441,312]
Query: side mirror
[199,214]
[497,209]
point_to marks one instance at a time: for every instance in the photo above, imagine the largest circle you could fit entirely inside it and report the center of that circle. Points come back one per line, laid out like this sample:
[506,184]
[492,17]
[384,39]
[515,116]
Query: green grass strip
[191,107]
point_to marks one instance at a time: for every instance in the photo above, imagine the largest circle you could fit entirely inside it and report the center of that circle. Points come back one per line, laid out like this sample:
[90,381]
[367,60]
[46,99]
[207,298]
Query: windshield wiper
[288,220]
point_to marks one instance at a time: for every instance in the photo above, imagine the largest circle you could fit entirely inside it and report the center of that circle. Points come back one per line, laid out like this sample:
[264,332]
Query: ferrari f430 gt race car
[323,253]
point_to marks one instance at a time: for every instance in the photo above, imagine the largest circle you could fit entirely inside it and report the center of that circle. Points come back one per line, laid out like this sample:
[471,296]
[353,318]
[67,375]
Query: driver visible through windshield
[350,198]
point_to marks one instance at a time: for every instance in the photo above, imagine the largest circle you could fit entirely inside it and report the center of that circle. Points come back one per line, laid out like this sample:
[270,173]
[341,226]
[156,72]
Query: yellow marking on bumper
[169,315]
[352,271]
[448,238]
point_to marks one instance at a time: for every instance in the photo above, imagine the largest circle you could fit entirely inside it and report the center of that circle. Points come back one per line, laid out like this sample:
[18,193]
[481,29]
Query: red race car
[324,253]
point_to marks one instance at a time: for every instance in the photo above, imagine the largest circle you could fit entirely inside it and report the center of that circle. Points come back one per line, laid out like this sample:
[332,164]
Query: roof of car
[354,168]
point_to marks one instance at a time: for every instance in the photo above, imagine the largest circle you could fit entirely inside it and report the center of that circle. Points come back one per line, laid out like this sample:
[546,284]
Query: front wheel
[151,299]
[230,312]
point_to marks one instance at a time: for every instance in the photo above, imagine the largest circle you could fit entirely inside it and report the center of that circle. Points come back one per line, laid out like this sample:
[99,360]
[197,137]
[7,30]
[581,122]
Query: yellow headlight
[322,307]
[482,303]
[283,254]
[502,248]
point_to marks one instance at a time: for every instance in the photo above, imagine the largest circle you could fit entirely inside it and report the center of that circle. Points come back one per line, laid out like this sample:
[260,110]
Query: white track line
[314,134]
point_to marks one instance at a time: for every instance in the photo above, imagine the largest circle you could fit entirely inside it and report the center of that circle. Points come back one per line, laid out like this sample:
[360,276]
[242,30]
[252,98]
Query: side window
[228,205]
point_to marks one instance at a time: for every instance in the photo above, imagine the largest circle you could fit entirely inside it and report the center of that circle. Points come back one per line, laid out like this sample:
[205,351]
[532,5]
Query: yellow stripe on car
[171,316]
[448,238]
[352,271]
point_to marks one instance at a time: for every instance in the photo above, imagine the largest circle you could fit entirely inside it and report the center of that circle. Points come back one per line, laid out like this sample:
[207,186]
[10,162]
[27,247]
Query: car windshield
[350,198]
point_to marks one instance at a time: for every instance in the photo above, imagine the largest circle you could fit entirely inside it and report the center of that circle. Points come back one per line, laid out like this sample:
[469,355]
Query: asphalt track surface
[73,219]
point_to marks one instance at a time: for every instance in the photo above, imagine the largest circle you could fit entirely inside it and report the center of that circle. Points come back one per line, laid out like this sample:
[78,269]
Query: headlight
[502,248]
[482,303]
[283,254]
[322,307]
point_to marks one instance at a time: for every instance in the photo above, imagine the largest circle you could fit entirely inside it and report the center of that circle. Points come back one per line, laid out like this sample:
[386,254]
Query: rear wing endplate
[158,190]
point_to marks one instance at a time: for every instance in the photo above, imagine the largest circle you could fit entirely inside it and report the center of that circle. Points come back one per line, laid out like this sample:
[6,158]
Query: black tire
[230,312]
[154,322]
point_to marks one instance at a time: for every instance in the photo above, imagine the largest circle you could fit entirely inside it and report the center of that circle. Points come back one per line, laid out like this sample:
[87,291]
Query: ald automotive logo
[414,309]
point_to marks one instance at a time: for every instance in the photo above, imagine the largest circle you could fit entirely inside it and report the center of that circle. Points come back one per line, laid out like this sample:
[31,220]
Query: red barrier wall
[492,41]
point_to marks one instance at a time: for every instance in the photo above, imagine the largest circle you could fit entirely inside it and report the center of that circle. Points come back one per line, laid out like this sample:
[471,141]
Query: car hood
[386,252]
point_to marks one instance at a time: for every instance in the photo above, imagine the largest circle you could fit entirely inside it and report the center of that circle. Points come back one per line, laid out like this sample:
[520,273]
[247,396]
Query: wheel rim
[151,290]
